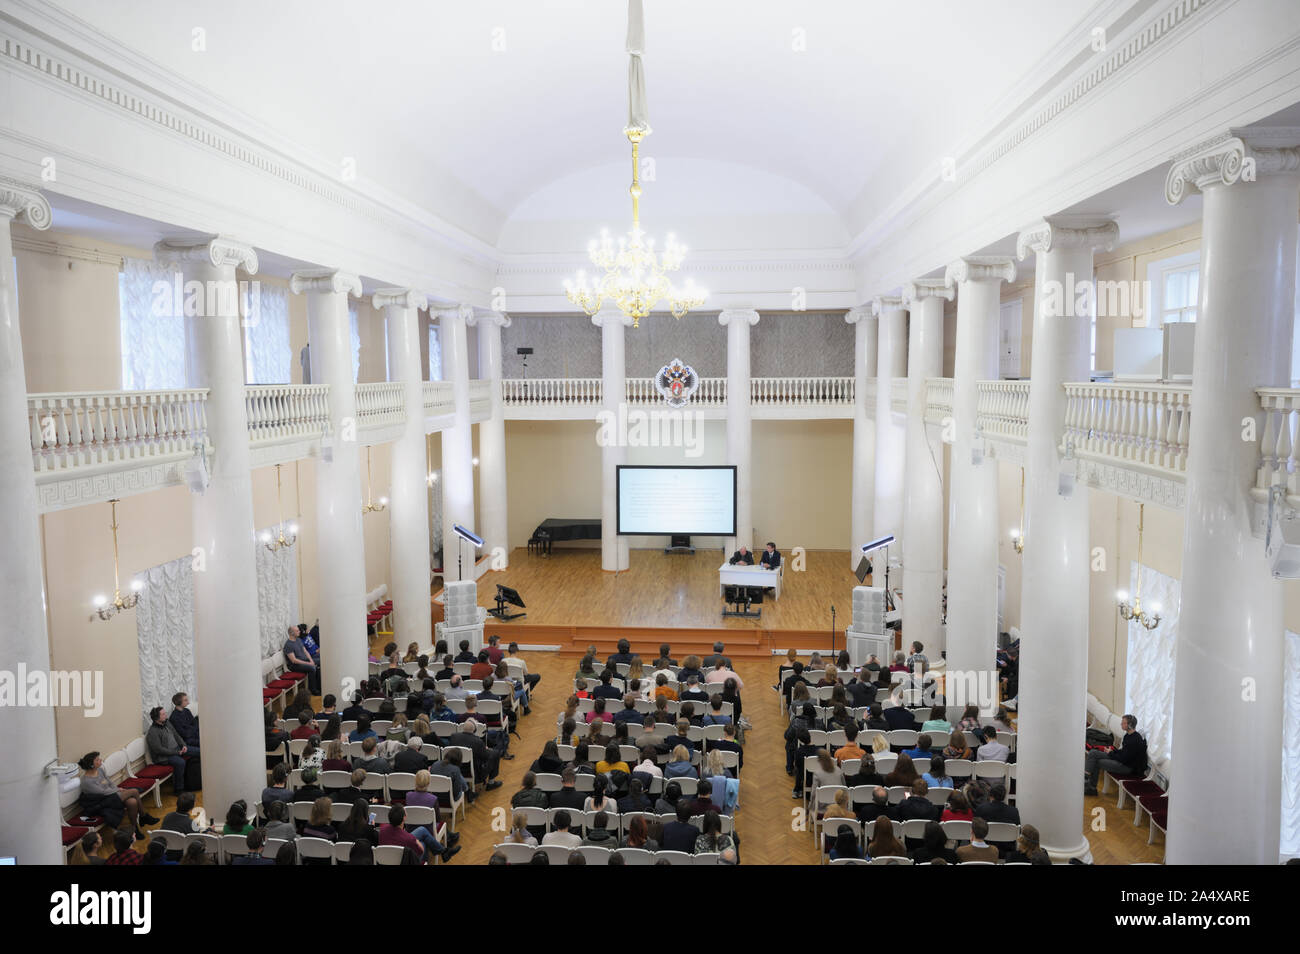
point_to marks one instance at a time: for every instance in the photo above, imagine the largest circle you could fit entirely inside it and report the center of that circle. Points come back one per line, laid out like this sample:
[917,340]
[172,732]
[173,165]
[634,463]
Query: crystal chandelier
[371,506]
[635,275]
[1134,612]
[103,607]
[286,536]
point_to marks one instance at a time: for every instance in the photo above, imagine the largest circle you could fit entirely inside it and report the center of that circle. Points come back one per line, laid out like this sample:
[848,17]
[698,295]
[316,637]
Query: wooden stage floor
[568,594]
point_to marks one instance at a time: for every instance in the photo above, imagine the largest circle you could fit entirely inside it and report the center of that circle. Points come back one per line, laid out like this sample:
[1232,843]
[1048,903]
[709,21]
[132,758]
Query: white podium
[740,575]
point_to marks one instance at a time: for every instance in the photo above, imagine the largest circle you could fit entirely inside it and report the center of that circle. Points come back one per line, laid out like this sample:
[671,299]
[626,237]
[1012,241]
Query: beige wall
[801,477]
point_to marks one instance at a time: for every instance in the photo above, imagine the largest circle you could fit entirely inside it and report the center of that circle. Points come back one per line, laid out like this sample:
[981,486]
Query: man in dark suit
[568,796]
[628,713]
[879,805]
[862,690]
[728,743]
[712,661]
[770,558]
[486,761]
[411,759]
[996,808]
[899,717]
[693,691]
[606,689]
[742,557]
[672,741]
[917,805]
[680,835]
[624,655]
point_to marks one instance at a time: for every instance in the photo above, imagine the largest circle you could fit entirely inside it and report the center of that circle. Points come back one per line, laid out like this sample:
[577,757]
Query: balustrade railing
[1002,410]
[938,399]
[1278,457]
[380,404]
[516,392]
[85,428]
[1145,424]
[282,412]
[438,397]
[794,391]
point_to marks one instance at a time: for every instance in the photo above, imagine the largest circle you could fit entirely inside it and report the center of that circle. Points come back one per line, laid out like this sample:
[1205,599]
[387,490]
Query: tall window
[268,355]
[1175,285]
[153,328]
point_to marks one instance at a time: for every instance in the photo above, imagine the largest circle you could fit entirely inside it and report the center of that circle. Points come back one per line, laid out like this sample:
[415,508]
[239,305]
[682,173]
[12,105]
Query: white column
[1054,587]
[458,557]
[492,507]
[891,434]
[340,542]
[408,492]
[923,494]
[864,431]
[972,630]
[738,321]
[227,641]
[611,322]
[1230,645]
[29,802]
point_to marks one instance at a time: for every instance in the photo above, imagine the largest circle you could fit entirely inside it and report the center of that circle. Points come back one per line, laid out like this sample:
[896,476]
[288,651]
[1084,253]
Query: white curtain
[268,355]
[435,354]
[1149,693]
[153,329]
[356,340]
[164,622]
[277,594]
[1290,842]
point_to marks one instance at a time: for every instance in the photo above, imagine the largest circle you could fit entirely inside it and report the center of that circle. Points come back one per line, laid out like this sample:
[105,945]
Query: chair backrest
[136,754]
[174,840]
[898,792]
[939,796]
[457,706]
[115,765]
[637,856]
[339,811]
[301,811]
[891,860]
[825,794]
[388,854]
[558,854]
[958,769]
[850,861]
[233,845]
[675,857]
[1003,832]
[996,771]
[374,782]
[540,817]
[443,728]
[549,782]
[1008,739]
[956,830]
[462,668]
[399,783]
[885,763]
[921,765]
[372,704]
[474,686]
[915,828]
[595,855]
[515,854]
[273,846]
[296,747]
[342,852]
[421,815]
[440,784]
[335,779]
[903,737]
[705,858]
[818,737]
[381,726]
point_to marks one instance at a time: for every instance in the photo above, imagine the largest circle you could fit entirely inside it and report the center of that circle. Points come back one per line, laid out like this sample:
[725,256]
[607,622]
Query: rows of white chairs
[647,706]
[618,823]
[559,855]
[223,849]
[956,832]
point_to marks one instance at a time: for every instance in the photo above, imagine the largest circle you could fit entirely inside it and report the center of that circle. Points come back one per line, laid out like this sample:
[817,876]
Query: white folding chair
[321,849]
[637,856]
[891,860]
[993,771]
[515,854]
[388,854]
[675,857]
[594,854]
[441,786]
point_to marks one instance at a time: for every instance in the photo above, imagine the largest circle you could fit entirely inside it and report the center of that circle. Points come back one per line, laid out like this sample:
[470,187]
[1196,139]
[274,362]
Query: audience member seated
[936,777]
[845,844]
[638,835]
[530,796]
[237,822]
[568,796]
[599,800]
[298,659]
[308,791]
[450,766]
[411,759]
[899,717]
[99,796]
[607,689]
[123,853]
[867,774]
[182,819]
[482,666]
[256,841]
[667,802]
[690,667]
[878,807]
[956,808]
[420,796]
[421,842]
[934,844]
[166,747]
[711,837]
[465,656]
[319,824]
[693,691]
[978,849]
[519,832]
[1129,759]
[486,760]
[370,759]
[635,800]
[917,806]
[876,719]
[679,765]
[904,772]
[957,747]
[549,762]
[883,844]
[681,835]
[1026,846]
[992,750]
[278,790]
[278,824]
[599,835]
[996,808]
[183,721]
[560,833]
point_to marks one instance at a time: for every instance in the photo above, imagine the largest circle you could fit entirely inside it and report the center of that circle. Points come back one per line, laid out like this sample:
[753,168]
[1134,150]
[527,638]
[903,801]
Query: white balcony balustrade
[1278,457]
[280,413]
[381,405]
[89,428]
[800,391]
[1130,424]
[1002,413]
[938,400]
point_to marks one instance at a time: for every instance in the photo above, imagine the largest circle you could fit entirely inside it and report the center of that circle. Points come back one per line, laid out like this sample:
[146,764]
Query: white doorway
[1009,339]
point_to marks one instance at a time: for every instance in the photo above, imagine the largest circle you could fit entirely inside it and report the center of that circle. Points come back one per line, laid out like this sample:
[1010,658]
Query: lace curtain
[153,334]
[435,354]
[1290,842]
[356,339]
[277,594]
[164,624]
[1149,694]
[268,355]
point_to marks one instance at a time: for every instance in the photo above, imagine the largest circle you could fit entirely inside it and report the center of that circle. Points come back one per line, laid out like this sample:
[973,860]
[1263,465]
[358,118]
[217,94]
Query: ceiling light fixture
[1134,612]
[103,608]
[635,275]
[286,536]
[1018,534]
[371,506]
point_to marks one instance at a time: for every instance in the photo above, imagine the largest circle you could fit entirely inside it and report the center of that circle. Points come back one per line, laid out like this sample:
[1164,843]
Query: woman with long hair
[638,835]
[845,844]
[883,843]
[549,762]
[957,747]
[957,808]
[356,827]
[319,824]
[712,837]
[335,759]
[313,756]
[99,796]
[679,765]
[519,834]
[598,801]
[937,777]
[970,720]
[904,772]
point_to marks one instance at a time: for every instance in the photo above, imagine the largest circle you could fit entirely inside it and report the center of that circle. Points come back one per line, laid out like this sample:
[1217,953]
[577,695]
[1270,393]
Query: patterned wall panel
[1150,690]
[802,345]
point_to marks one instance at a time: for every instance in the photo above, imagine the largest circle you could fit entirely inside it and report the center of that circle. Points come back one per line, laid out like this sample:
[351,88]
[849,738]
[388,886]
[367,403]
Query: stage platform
[666,597]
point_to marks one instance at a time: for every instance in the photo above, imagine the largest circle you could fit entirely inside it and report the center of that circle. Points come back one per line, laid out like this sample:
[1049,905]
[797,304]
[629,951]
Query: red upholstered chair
[1136,787]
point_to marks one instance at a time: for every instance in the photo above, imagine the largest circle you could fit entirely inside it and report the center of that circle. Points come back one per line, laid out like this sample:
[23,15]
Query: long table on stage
[741,575]
[554,529]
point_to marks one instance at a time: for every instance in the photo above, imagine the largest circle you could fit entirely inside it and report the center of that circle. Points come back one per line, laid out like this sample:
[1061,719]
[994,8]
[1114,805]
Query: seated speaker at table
[742,557]
[771,556]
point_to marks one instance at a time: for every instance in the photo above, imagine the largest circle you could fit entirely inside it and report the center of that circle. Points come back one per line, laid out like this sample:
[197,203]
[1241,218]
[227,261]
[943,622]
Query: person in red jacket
[418,841]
